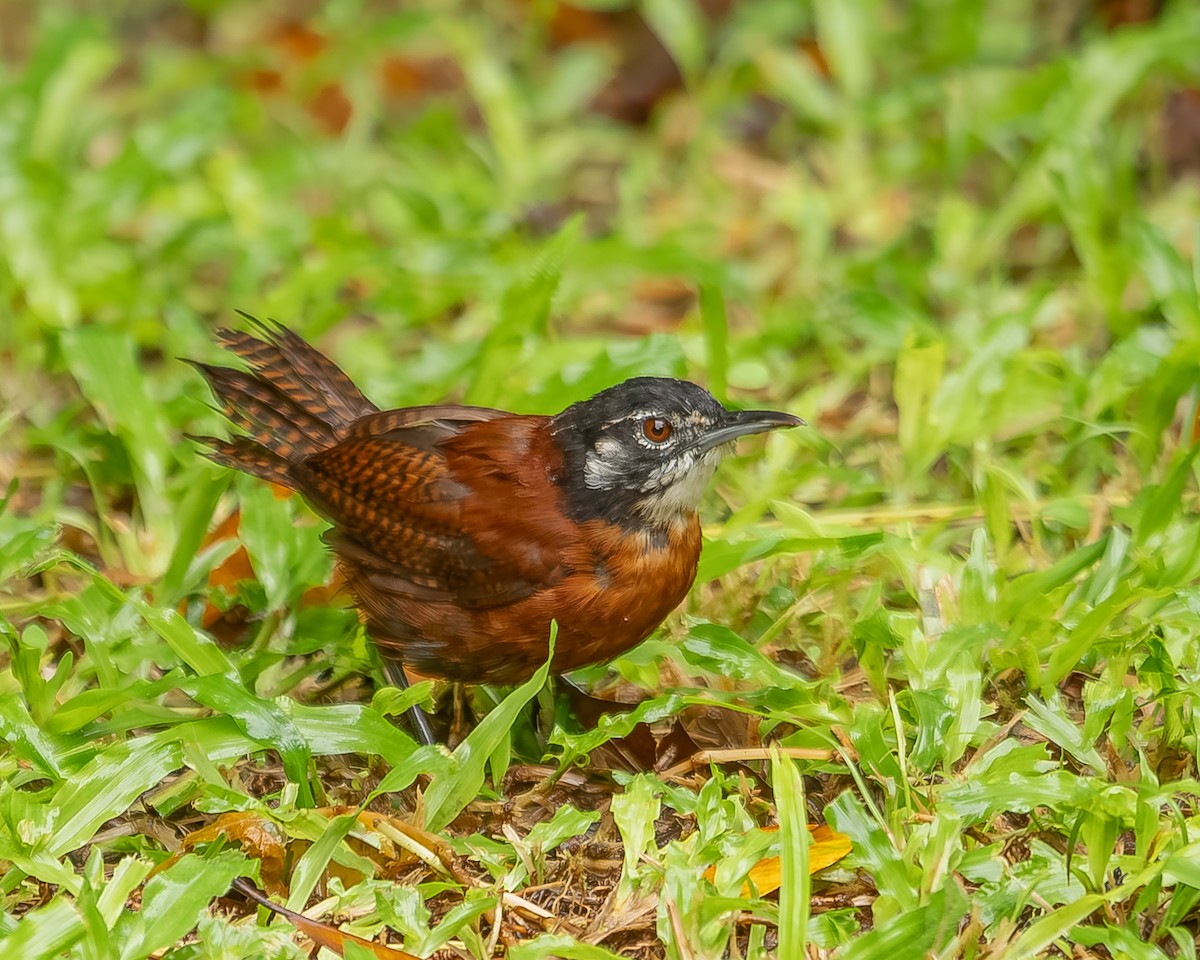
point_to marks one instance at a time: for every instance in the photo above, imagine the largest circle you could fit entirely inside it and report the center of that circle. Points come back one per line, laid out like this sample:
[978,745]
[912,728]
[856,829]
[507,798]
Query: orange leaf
[332,108]
[333,594]
[570,24]
[411,77]
[262,80]
[229,573]
[236,567]
[258,837]
[816,57]
[826,847]
[299,41]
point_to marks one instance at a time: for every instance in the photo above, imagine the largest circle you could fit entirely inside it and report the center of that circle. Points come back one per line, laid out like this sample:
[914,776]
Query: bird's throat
[678,500]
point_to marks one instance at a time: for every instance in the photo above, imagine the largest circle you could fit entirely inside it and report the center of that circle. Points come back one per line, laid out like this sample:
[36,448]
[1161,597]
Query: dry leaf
[322,934]
[826,847]
[257,836]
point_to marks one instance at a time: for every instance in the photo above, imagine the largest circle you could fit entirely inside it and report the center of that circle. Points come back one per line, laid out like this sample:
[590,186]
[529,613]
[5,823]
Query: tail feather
[299,371]
[266,413]
[292,402]
[249,456]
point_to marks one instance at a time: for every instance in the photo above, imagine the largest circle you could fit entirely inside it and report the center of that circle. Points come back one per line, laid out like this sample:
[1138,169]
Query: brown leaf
[1180,126]
[334,593]
[225,577]
[659,304]
[236,567]
[816,56]
[322,934]
[645,71]
[676,745]
[1120,13]
[635,752]
[408,77]
[265,840]
[331,108]
[263,81]
[258,836]
[569,24]
[300,42]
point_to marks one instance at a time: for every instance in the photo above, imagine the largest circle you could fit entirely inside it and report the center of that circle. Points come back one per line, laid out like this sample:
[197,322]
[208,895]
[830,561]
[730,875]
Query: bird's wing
[406,487]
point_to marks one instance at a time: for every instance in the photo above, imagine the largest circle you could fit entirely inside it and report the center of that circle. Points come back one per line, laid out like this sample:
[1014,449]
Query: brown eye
[656,430]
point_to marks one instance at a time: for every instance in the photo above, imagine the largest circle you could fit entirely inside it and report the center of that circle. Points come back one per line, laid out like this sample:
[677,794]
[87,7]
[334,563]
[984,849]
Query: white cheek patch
[601,467]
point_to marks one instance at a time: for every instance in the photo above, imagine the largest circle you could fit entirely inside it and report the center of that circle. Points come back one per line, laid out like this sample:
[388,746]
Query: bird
[463,531]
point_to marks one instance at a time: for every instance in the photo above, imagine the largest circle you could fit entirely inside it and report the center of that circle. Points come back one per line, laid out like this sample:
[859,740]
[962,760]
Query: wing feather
[402,490]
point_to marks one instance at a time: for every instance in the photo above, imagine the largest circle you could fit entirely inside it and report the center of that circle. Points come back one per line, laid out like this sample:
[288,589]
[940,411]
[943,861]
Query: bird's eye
[656,429]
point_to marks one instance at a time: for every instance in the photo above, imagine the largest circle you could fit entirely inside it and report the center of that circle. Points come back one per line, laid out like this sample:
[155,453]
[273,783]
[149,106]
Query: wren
[462,531]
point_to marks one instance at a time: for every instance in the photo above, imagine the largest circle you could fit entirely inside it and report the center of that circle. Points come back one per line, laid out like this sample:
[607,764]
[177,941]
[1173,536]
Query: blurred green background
[958,236]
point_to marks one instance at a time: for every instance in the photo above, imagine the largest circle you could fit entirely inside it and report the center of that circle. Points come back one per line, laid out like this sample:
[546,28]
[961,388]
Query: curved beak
[739,423]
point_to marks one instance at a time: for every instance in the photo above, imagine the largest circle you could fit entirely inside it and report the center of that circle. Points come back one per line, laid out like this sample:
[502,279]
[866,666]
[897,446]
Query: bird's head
[641,453]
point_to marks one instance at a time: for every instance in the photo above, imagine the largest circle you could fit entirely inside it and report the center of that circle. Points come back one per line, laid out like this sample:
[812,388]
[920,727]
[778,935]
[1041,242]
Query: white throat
[676,489]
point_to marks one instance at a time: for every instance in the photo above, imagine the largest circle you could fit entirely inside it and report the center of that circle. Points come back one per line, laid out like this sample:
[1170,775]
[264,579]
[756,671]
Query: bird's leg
[394,671]
[458,722]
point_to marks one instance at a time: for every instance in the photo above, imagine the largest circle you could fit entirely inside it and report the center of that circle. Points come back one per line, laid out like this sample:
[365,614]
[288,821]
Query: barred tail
[249,456]
[292,402]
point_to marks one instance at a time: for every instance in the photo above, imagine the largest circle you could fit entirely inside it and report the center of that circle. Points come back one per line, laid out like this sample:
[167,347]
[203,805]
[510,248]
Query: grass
[946,234]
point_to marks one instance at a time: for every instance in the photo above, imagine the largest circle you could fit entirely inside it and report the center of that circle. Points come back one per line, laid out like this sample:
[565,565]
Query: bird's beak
[739,423]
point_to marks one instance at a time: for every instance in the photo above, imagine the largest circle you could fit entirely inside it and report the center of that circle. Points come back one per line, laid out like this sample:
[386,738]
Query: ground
[955,619]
